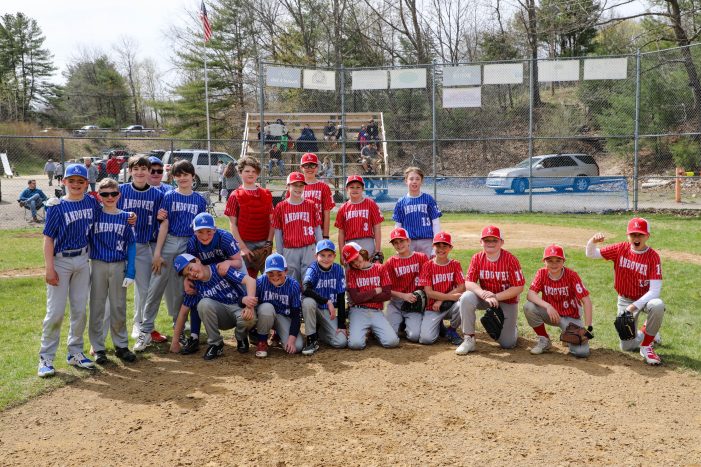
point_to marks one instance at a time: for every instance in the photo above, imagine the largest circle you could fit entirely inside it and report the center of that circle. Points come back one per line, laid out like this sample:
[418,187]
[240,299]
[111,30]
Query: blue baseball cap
[275,262]
[325,244]
[76,170]
[181,261]
[203,220]
[154,160]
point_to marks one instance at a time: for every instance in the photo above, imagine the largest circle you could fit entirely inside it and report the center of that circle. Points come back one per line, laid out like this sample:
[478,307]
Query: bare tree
[126,50]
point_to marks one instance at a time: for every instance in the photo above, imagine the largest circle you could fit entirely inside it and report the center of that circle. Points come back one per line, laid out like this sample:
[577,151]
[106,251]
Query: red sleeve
[537,284]
[277,216]
[610,252]
[327,198]
[317,214]
[459,277]
[473,270]
[384,278]
[375,214]
[518,279]
[655,269]
[232,205]
[579,290]
[340,216]
[269,200]
[389,268]
[425,275]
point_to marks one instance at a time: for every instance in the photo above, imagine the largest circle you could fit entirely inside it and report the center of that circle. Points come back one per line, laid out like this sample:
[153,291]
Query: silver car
[558,171]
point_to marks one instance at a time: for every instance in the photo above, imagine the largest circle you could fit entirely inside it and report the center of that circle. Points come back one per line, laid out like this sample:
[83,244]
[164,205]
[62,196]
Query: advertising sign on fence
[284,77]
[470,75]
[503,73]
[605,68]
[558,70]
[369,79]
[319,79]
[462,97]
[408,78]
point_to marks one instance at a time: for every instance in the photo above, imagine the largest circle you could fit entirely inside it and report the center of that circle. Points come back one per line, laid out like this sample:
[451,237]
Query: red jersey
[255,206]
[113,166]
[441,278]
[297,222]
[633,271]
[496,276]
[564,294]
[320,193]
[358,220]
[404,272]
[368,279]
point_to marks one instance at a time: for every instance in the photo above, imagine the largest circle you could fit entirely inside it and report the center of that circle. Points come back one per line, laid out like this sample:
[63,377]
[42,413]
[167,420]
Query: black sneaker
[191,346]
[311,347]
[214,351]
[182,340]
[125,354]
[242,345]
[101,357]
[253,336]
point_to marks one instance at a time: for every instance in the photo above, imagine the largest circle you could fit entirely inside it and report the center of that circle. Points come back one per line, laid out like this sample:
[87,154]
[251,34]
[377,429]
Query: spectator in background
[327,170]
[59,172]
[330,131]
[307,141]
[32,198]
[372,130]
[49,170]
[340,133]
[92,173]
[362,137]
[113,167]
[276,159]
[232,180]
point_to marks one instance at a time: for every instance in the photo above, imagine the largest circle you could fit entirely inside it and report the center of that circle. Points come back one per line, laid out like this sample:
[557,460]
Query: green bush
[686,153]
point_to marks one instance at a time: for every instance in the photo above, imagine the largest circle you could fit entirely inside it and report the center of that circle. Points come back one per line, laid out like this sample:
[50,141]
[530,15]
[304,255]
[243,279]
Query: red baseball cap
[309,158]
[442,237]
[350,251]
[491,231]
[295,177]
[553,250]
[355,178]
[398,233]
[638,225]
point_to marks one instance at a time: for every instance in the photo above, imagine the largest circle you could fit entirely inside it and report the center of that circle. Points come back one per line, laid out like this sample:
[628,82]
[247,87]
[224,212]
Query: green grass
[21,248]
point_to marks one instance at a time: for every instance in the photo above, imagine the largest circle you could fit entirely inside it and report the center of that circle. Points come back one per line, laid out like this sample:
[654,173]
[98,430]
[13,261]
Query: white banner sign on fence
[558,70]
[284,77]
[462,97]
[407,78]
[470,75]
[6,164]
[503,73]
[605,68]
[319,79]
[369,79]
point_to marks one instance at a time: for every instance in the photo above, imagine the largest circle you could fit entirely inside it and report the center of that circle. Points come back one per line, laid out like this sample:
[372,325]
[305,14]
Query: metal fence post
[636,130]
[435,129]
[530,135]
[172,147]
[344,130]
[261,137]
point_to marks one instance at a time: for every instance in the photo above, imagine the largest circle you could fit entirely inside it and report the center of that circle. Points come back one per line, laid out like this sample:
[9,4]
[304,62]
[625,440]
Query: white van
[200,159]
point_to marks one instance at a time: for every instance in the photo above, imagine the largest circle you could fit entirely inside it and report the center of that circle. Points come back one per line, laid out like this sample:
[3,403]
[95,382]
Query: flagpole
[206,107]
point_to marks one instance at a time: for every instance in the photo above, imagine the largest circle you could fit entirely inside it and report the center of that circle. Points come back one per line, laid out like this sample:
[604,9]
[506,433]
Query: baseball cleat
[157,337]
[101,357]
[46,368]
[311,347]
[467,346]
[125,354]
[453,336]
[649,355]
[79,360]
[135,331]
[242,345]
[541,346]
[143,341]
[190,346]
[262,349]
[214,351]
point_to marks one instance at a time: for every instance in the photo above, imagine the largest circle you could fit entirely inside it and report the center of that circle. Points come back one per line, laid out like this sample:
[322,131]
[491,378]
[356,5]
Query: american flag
[205,23]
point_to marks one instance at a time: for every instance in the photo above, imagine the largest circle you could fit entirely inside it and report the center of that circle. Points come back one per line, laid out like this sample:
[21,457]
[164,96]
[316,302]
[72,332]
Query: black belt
[72,253]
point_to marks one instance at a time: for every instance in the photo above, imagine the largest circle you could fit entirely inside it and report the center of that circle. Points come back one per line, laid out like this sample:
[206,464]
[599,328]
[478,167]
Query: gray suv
[558,171]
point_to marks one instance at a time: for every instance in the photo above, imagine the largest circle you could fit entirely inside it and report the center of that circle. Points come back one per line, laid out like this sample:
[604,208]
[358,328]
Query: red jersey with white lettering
[358,220]
[368,279]
[564,294]
[320,193]
[633,271]
[297,222]
[252,208]
[496,276]
[440,277]
[404,272]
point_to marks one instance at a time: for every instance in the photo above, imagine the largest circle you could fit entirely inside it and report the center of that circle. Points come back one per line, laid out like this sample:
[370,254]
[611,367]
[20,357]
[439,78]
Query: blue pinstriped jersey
[164,188]
[110,236]
[69,223]
[283,297]
[227,290]
[181,210]
[328,284]
[145,203]
[222,247]
[416,214]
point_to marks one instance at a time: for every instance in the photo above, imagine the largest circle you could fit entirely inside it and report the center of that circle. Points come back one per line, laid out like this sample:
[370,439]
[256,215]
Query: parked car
[90,130]
[558,171]
[136,130]
[200,160]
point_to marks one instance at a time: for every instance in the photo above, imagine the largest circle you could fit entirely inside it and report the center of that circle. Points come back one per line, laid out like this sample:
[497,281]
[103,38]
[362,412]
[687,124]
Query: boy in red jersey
[297,224]
[638,282]
[359,219]
[317,191]
[403,270]
[494,279]
[563,297]
[255,205]
[444,284]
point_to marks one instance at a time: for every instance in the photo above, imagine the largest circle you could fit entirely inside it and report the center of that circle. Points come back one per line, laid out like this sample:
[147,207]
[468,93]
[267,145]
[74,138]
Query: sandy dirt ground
[415,405]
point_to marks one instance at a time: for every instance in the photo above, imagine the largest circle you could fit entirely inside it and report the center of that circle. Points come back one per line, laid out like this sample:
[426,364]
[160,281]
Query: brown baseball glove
[575,335]
[256,260]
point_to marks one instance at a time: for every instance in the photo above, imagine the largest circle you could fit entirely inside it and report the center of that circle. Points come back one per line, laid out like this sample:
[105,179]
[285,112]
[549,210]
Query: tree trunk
[533,42]
[683,41]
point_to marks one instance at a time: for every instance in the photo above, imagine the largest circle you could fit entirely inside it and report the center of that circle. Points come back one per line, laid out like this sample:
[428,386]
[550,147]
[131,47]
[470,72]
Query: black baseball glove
[625,325]
[378,257]
[493,322]
[419,305]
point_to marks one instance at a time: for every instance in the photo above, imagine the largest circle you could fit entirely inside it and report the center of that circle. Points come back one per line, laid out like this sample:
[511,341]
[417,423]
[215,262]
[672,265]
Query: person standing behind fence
[59,172]
[232,180]
[49,170]
[113,167]
[92,173]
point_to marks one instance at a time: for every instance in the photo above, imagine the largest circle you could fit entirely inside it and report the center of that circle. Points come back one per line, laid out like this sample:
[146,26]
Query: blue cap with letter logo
[203,220]
[275,262]
[325,244]
[181,261]
[76,170]
[154,160]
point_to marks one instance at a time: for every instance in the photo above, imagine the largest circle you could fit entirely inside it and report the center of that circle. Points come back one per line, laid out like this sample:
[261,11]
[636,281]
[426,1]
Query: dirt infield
[408,406]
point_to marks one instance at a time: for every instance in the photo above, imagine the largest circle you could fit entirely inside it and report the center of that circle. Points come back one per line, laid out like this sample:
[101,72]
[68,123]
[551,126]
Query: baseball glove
[625,325]
[445,306]
[256,260]
[575,335]
[418,306]
[493,322]
[378,257]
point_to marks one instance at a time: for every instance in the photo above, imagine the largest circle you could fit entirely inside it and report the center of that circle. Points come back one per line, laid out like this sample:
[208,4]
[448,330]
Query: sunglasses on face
[309,166]
[156,171]
[109,194]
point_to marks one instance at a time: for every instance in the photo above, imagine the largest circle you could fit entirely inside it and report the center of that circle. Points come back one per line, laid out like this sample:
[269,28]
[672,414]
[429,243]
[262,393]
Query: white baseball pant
[537,315]
[431,323]
[267,318]
[106,282]
[423,245]
[298,260]
[218,316]
[655,312]
[412,321]
[327,328]
[363,320]
[469,303]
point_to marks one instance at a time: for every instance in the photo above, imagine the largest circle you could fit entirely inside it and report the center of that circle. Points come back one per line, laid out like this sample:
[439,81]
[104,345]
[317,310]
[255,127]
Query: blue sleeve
[202,204]
[191,249]
[341,282]
[23,195]
[53,221]
[228,243]
[190,301]
[234,277]
[295,295]
[259,289]
[311,276]
[433,210]
[397,216]
[295,321]
[131,260]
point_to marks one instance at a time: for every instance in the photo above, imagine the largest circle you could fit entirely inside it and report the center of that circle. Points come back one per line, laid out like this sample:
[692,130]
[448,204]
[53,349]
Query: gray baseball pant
[423,245]
[142,279]
[267,318]
[537,315]
[431,323]
[298,260]
[167,282]
[655,312]
[364,319]
[412,321]
[218,316]
[74,285]
[469,303]
[327,328]
[106,282]
[366,244]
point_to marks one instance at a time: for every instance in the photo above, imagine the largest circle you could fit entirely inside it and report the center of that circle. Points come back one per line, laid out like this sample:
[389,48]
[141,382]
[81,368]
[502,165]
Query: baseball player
[297,225]
[418,213]
[324,291]
[403,270]
[219,299]
[494,279]
[181,206]
[317,191]
[368,287]
[359,219]
[563,298]
[638,282]
[444,283]
[255,205]
[155,176]
[112,265]
[279,306]
[68,224]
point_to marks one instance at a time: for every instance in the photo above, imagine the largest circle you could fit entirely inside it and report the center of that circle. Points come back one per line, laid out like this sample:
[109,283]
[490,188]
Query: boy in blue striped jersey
[418,213]
[112,258]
